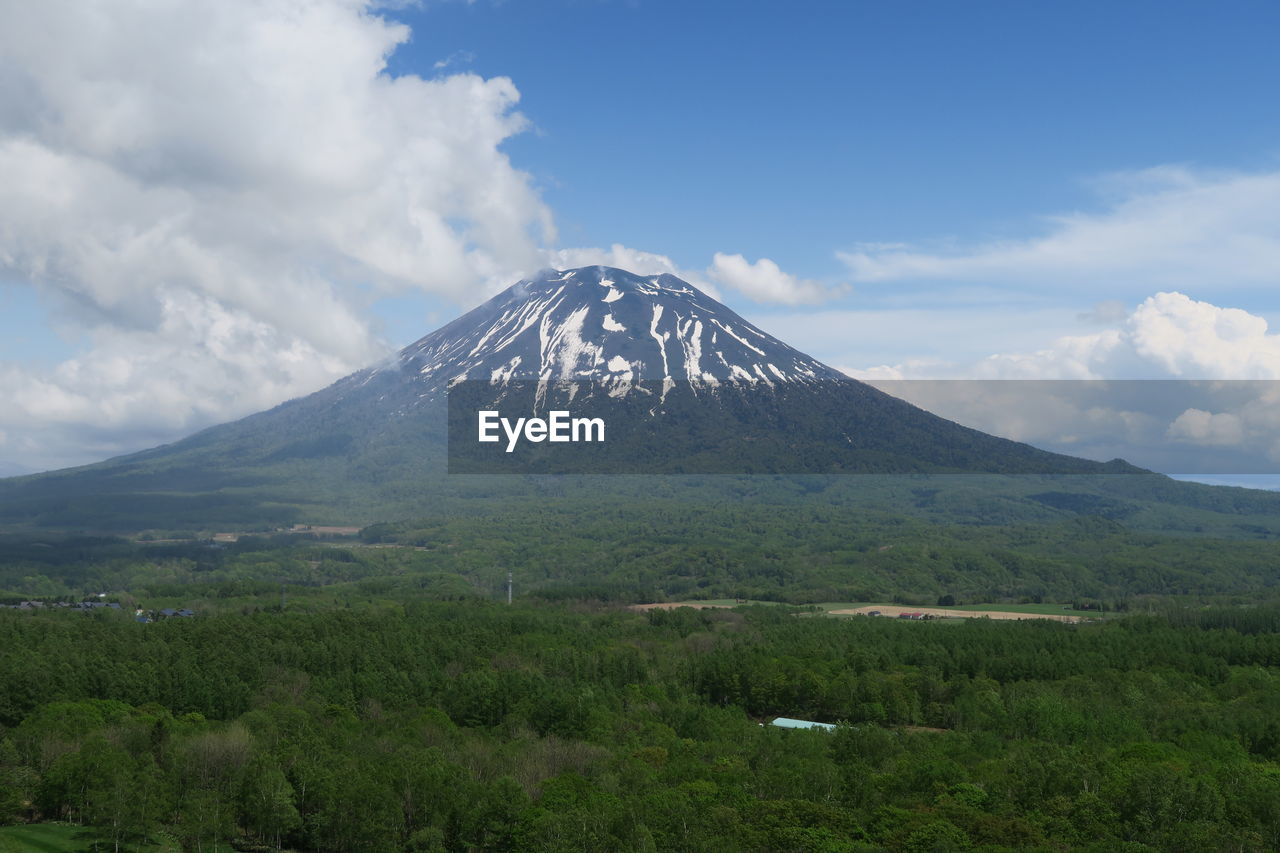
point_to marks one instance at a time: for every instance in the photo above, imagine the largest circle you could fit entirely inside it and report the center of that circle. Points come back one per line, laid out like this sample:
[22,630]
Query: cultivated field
[894,610]
[672,605]
[1054,612]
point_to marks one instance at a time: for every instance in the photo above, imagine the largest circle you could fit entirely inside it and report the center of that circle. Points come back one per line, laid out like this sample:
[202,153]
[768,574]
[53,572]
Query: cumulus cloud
[763,281]
[209,192]
[1169,227]
[1186,337]
[1201,427]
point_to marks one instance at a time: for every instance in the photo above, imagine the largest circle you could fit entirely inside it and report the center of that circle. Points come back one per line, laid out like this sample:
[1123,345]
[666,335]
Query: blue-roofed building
[788,723]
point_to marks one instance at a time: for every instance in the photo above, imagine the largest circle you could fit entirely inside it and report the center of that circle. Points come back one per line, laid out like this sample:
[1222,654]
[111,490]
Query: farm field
[894,610]
[1056,612]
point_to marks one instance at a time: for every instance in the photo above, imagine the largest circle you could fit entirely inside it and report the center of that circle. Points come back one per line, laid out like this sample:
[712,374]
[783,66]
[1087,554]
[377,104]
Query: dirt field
[672,605]
[892,610]
[324,531]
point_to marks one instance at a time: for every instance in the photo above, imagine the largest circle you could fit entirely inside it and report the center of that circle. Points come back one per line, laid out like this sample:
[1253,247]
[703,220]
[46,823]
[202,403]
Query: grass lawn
[51,837]
[65,838]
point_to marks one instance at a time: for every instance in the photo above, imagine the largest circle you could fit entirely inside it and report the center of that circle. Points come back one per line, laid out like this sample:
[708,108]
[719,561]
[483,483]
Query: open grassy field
[65,838]
[51,837]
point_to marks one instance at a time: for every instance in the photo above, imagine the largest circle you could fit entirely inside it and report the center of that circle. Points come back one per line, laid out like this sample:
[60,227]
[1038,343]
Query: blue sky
[794,131]
[791,130]
[284,192]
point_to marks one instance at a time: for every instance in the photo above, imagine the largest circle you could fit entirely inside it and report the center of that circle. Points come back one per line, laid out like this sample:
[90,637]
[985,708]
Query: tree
[266,802]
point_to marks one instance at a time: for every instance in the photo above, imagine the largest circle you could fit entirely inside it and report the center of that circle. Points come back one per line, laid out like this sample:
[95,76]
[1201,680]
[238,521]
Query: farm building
[788,723]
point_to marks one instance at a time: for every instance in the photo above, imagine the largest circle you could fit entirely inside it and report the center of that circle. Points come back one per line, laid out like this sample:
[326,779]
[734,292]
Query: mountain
[685,384]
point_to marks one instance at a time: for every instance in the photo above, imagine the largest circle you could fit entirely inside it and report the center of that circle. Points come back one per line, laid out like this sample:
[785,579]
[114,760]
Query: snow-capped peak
[605,325]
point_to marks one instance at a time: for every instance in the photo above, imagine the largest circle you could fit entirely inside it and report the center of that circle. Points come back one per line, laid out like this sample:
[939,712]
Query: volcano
[687,385]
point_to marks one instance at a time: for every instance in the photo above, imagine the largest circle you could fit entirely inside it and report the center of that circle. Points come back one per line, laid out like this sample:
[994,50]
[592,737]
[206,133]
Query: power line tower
[509,585]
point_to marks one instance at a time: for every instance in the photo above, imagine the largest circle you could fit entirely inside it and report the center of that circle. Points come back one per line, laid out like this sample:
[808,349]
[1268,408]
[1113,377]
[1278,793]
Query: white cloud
[1164,228]
[458,57]
[763,281]
[1188,338]
[140,387]
[1201,427]
[211,191]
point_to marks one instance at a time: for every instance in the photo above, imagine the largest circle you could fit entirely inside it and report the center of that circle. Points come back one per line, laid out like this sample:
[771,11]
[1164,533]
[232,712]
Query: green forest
[374,692]
[473,725]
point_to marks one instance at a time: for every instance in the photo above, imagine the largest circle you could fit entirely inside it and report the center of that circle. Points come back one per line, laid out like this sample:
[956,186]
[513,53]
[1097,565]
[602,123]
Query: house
[90,606]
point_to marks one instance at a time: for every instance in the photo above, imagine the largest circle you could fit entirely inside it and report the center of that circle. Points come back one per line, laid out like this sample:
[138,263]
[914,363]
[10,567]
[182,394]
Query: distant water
[1248,481]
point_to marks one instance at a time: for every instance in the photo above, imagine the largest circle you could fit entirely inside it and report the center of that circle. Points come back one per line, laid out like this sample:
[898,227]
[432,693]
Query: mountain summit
[605,325]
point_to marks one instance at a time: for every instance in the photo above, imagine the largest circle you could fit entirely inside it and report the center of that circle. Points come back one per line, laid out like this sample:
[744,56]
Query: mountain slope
[702,389]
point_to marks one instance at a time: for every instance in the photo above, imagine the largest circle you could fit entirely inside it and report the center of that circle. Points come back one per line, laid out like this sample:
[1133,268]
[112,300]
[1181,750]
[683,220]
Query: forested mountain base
[472,725]
[637,551]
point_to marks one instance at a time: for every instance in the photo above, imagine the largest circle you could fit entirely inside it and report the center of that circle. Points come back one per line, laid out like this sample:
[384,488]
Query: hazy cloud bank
[1233,425]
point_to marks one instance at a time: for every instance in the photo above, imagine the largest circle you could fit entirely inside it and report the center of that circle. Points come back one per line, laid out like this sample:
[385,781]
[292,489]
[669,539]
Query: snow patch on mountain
[559,327]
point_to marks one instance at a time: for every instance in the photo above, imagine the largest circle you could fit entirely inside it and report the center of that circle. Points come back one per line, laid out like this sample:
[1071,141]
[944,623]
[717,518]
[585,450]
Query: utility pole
[509,583]
[282,599]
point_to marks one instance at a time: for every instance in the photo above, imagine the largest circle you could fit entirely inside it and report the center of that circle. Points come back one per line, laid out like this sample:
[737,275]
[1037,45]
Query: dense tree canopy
[472,725]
